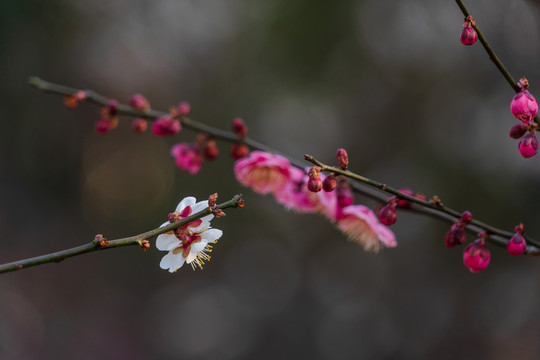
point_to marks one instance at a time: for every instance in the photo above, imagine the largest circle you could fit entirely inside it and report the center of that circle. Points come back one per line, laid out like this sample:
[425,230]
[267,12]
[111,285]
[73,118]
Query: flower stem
[110,244]
[424,207]
[491,53]
[532,249]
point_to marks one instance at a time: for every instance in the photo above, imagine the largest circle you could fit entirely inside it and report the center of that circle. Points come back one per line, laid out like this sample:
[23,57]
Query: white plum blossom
[189,243]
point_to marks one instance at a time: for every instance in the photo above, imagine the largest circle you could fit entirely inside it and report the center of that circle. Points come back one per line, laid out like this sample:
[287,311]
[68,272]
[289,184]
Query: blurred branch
[436,206]
[100,243]
[491,53]
[368,190]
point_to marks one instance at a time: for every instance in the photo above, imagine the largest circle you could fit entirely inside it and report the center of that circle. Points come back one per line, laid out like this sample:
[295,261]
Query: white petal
[192,256]
[211,235]
[187,201]
[195,248]
[167,242]
[201,205]
[172,262]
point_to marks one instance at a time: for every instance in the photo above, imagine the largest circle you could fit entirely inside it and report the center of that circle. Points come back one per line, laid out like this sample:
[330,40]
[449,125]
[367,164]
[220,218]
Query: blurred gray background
[387,80]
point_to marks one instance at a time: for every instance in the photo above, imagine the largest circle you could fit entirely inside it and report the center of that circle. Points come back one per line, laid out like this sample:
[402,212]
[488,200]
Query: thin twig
[533,249]
[491,53]
[95,245]
[123,109]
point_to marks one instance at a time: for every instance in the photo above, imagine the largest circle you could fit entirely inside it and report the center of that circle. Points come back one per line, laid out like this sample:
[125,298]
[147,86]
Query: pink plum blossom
[361,226]
[295,195]
[187,157]
[263,172]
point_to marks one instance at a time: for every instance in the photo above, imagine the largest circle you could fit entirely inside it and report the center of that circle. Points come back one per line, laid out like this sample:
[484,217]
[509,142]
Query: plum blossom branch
[435,205]
[100,243]
[437,210]
[491,53]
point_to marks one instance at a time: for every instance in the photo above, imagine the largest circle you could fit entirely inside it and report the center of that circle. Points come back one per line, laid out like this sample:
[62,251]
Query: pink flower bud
[239,128]
[211,150]
[184,108]
[112,108]
[528,145]
[388,215]
[516,246]
[166,126]
[314,183]
[466,217]
[518,131]
[329,183]
[139,125]
[239,151]
[456,236]
[468,34]
[103,126]
[342,158]
[139,102]
[187,157]
[476,256]
[402,203]
[524,106]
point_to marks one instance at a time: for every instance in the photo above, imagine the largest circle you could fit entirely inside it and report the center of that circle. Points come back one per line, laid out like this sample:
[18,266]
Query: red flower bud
[343,158]
[476,256]
[388,215]
[183,108]
[211,150]
[239,151]
[518,131]
[139,125]
[329,183]
[139,102]
[468,34]
[524,106]
[528,145]
[239,128]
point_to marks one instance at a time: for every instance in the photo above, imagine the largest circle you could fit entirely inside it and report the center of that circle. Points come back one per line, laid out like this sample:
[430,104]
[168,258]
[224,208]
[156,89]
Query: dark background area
[389,81]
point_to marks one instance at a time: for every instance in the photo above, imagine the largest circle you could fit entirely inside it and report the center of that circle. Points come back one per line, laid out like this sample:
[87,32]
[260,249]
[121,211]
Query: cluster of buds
[71,101]
[468,34]
[314,183]
[171,125]
[212,199]
[456,235]
[239,149]
[190,156]
[524,107]
[100,241]
[109,118]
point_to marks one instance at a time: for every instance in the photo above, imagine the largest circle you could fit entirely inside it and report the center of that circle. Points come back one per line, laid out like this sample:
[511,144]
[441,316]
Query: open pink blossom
[189,243]
[263,172]
[361,225]
[187,157]
[476,256]
[295,195]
